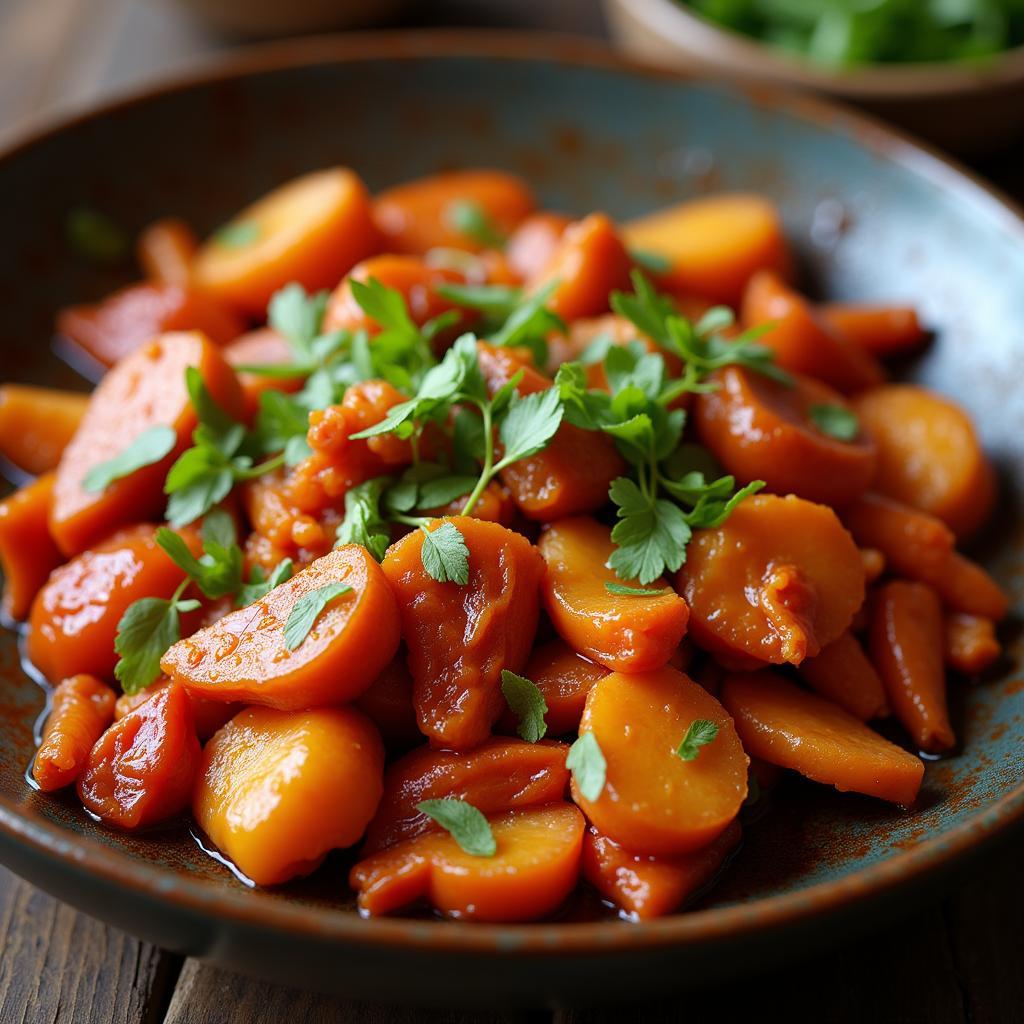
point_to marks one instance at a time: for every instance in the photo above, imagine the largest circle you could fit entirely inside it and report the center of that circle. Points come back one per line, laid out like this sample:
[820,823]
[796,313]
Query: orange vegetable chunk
[842,673]
[388,704]
[535,868]
[653,801]
[625,634]
[534,242]
[81,708]
[37,423]
[167,250]
[880,330]
[262,347]
[971,643]
[28,553]
[786,726]
[244,657]
[279,789]
[460,637]
[209,715]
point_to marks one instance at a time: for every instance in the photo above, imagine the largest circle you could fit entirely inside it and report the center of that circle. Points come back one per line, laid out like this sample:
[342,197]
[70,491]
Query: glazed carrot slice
[842,673]
[929,455]
[37,423]
[623,633]
[907,648]
[262,347]
[535,868]
[388,704]
[279,789]
[880,330]
[714,244]
[802,341]
[786,726]
[245,656]
[28,553]
[779,580]
[759,429]
[971,643]
[143,768]
[81,708]
[644,887]
[167,249]
[534,242]
[497,776]
[653,801]
[460,636]
[74,617]
[146,389]
[209,715]
[423,214]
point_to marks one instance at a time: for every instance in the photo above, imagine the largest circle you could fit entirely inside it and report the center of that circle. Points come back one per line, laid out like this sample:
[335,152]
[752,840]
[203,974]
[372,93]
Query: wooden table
[960,962]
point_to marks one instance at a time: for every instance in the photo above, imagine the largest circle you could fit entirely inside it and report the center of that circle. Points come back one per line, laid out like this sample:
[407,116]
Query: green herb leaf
[621,590]
[145,631]
[95,237]
[588,766]
[652,261]
[466,825]
[297,317]
[149,447]
[306,611]
[237,234]
[281,425]
[443,490]
[470,218]
[258,586]
[496,300]
[217,573]
[363,522]
[700,733]
[835,421]
[445,555]
[527,703]
[651,534]
[530,424]
[530,323]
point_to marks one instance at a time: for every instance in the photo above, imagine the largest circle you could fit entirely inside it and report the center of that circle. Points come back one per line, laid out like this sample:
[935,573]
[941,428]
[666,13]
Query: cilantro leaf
[466,825]
[282,423]
[529,425]
[588,766]
[652,261]
[148,448]
[700,733]
[297,317]
[443,490]
[469,218]
[445,555]
[651,534]
[530,323]
[835,421]
[523,696]
[145,631]
[217,573]
[237,234]
[711,510]
[258,586]
[306,611]
[363,522]
[495,300]
[621,590]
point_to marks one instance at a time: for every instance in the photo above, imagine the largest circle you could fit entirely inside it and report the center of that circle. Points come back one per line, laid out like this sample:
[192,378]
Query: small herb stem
[420,521]
[257,471]
[182,586]
[488,471]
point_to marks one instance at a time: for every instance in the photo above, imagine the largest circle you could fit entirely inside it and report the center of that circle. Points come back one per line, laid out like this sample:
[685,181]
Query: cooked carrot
[28,553]
[497,776]
[37,423]
[874,564]
[929,455]
[74,616]
[245,656]
[125,321]
[495,504]
[143,768]
[534,242]
[644,887]
[971,643]
[167,250]
[714,244]
[460,636]
[424,214]
[907,648]
[262,347]
[784,725]
[880,330]
[760,429]
[623,633]
[779,580]
[278,790]
[535,867]
[801,341]
[311,230]
[653,801]
[589,263]
[146,389]
[81,708]
[209,715]
[388,704]
[842,673]
[964,586]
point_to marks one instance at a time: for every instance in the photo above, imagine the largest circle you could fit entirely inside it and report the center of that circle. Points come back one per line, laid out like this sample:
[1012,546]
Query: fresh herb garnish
[470,219]
[95,237]
[218,572]
[651,261]
[621,590]
[700,733]
[588,766]
[523,696]
[835,421]
[148,448]
[237,235]
[466,825]
[363,522]
[445,555]
[259,585]
[306,611]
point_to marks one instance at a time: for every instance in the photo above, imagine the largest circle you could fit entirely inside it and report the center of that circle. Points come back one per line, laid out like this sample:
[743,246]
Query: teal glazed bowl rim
[86,858]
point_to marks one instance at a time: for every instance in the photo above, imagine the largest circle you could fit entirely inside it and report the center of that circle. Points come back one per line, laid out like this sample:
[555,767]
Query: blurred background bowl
[257,19]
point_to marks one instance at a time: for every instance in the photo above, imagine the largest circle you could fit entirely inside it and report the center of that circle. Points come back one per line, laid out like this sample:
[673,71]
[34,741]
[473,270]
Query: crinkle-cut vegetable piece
[166,251]
[714,245]
[789,727]
[245,657]
[589,264]
[209,715]
[842,673]
[499,775]
[534,242]
[645,887]
[536,866]
[123,322]
[461,636]
[28,553]
[573,473]
[388,704]
[423,214]
[760,429]
[801,340]
[623,633]
[37,423]
[653,801]
[143,768]
[907,649]
[279,789]
[311,230]
[929,455]
[880,330]
[146,389]
[777,581]
[74,617]
[564,679]
[81,708]
[971,643]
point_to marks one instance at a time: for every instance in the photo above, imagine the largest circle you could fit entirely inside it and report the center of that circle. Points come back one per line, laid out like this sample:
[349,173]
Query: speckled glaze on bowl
[873,217]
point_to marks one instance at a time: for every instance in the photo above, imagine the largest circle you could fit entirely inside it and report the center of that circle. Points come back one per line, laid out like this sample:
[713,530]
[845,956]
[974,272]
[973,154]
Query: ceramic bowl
[872,216]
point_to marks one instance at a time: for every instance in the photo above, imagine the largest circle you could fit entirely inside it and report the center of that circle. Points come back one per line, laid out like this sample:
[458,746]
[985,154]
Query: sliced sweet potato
[534,242]
[36,424]
[842,673]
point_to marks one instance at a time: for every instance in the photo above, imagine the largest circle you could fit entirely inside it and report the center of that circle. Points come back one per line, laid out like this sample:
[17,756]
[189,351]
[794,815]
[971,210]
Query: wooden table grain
[961,962]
